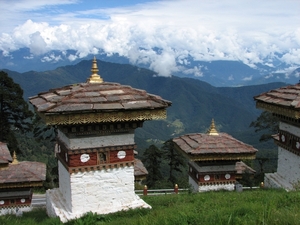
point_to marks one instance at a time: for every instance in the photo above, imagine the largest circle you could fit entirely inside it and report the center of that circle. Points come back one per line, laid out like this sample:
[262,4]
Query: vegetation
[248,207]
[14,111]
[268,123]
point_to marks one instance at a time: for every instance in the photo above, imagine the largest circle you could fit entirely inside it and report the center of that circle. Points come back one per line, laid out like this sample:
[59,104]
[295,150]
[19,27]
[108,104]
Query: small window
[102,157]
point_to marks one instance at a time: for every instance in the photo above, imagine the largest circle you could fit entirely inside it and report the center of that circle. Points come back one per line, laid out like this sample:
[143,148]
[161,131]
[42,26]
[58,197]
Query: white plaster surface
[289,128]
[288,166]
[102,192]
[18,211]
[98,141]
[288,169]
[215,187]
[65,185]
[274,180]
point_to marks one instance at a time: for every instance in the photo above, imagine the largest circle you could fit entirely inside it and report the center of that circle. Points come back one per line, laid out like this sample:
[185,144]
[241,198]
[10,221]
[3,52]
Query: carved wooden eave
[104,117]
[220,157]
[278,109]
[22,185]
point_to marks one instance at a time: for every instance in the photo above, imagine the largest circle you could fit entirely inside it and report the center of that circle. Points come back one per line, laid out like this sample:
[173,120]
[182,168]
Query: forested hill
[194,103]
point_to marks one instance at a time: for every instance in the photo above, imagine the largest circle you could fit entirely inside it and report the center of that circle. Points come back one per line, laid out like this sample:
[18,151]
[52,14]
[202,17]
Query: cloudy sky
[247,30]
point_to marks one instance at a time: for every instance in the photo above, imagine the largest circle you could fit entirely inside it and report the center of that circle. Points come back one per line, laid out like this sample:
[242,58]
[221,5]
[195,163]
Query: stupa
[284,103]
[214,159]
[95,147]
[17,179]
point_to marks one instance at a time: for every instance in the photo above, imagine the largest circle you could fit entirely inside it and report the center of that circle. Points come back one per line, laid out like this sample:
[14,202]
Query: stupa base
[57,207]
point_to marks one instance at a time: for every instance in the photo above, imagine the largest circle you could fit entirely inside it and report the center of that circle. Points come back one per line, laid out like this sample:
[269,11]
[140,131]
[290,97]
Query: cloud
[247,78]
[164,35]
[196,71]
[37,44]
[231,77]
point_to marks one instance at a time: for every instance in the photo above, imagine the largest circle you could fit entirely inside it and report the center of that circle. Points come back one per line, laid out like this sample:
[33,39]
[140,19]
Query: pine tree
[152,159]
[14,112]
[175,160]
[268,123]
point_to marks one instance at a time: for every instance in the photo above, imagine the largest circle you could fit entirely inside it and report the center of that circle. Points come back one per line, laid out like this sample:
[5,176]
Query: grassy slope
[248,207]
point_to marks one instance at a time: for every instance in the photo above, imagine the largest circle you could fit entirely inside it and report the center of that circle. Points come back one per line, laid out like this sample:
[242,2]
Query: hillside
[194,102]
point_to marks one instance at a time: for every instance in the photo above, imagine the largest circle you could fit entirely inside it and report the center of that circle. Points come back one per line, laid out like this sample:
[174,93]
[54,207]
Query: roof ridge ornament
[212,129]
[95,77]
[15,160]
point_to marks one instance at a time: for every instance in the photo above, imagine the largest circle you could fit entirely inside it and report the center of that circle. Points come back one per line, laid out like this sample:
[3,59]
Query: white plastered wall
[211,187]
[97,141]
[103,191]
[288,169]
[288,163]
[65,185]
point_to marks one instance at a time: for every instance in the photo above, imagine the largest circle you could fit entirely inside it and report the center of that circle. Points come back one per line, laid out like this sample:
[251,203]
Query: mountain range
[216,73]
[194,102]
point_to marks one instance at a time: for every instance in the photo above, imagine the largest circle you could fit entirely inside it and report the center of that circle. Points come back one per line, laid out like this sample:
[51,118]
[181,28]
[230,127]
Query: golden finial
[15,161]
[212,129]
[95,77]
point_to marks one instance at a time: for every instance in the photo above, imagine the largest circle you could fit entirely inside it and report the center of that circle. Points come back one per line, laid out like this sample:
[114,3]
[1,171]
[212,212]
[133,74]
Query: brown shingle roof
[91,97]
[242,168]
[288,96]
[139,168]
[222,144]
[5,156]
[23,172]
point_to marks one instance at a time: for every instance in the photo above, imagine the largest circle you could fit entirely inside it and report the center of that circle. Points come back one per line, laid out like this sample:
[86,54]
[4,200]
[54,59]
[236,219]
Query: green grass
[248,207]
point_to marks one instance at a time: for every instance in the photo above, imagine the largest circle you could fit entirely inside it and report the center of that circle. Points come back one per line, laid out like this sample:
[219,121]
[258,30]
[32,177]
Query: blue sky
[251,31]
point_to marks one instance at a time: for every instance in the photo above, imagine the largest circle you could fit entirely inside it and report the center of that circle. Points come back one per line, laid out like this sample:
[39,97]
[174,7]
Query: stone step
[279,181]
[59,205]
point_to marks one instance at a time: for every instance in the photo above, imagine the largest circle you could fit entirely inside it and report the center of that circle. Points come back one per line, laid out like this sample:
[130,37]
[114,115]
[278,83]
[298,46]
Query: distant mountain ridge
[194,102]
[217,73]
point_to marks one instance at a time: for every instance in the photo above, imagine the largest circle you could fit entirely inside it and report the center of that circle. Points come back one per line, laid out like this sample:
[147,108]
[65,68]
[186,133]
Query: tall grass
[249,207]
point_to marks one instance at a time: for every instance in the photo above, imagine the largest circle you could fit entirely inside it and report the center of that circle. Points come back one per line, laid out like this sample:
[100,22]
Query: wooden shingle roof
[5,156]
[90,97]
[16,173]
[199,146]
[139,168]
[97,101]
[284,101]
[23,172]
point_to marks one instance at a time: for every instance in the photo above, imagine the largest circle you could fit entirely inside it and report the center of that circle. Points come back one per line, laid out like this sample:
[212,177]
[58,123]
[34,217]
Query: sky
[164,34]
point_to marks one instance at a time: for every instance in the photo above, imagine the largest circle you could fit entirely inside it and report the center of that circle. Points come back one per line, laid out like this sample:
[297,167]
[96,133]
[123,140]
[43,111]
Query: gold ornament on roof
[95,77]
[212,129]
[15,160]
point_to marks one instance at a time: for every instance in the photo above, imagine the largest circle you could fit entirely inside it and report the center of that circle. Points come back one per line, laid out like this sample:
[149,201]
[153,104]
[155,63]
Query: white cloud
[247,78]
[196,71]
[51,58]
[248,30]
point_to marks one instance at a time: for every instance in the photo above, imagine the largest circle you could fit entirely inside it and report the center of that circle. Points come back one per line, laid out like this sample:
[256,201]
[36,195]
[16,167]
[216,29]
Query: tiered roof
[284,101]
[99,101]
[20,174]
[213,146]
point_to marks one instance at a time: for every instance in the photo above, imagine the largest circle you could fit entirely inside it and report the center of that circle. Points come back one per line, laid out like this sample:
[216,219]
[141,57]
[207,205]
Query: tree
[14,111]
[152,159]
[175,160]
[266,122]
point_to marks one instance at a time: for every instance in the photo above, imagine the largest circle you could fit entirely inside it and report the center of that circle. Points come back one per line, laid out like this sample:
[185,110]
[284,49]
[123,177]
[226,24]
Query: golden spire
[95,77]
[212,129]
[15,161]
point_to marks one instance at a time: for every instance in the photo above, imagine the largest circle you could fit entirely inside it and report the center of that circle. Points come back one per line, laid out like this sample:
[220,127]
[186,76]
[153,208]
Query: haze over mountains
[194,102]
